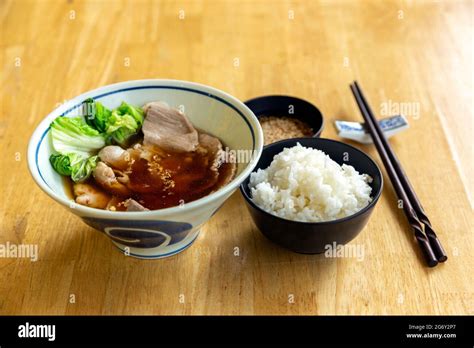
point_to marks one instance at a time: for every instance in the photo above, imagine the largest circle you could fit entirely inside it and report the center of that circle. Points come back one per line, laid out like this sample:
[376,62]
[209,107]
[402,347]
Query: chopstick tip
[442,258]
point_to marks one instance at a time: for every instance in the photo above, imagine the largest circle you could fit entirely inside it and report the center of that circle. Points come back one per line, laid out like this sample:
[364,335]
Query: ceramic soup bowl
[165,232]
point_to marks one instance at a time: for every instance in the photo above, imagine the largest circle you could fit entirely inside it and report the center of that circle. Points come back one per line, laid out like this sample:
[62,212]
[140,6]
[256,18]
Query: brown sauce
[181,178]
[68,187]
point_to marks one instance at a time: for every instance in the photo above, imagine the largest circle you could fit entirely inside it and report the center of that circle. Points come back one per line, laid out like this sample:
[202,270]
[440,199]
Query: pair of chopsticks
[428,241]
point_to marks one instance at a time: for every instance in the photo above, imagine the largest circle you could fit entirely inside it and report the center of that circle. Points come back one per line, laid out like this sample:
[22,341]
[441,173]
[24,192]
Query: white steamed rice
[305,184]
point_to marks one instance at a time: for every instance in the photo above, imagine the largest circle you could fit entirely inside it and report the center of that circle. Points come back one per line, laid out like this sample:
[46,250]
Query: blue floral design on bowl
[144,234]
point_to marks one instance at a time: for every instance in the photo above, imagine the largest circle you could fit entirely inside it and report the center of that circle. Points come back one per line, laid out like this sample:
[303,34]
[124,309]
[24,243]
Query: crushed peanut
[156,168]
[279,128]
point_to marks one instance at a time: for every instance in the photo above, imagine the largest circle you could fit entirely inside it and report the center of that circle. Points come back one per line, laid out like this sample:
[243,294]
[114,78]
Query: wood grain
[401,52]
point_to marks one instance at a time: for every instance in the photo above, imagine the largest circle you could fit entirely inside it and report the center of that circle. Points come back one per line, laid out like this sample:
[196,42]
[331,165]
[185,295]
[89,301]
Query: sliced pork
[168,129]
[133,205]
[218,156]
[213,148]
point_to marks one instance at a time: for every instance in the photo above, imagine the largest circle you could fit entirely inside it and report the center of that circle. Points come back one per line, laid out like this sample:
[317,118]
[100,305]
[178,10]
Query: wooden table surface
[417,54]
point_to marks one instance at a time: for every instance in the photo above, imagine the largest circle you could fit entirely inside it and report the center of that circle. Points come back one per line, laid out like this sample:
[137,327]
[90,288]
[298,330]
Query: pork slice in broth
[219,157]
[133,205]
[213,148]
[168,128]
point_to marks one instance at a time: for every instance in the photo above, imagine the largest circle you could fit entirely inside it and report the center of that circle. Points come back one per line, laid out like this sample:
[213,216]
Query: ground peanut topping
[279,128]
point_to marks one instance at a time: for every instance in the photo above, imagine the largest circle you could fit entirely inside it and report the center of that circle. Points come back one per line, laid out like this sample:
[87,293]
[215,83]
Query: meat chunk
[116,157]
[106,177]
[213,148]
[168,129]
[89,196]
[218,156]
[229,175]
[133,205]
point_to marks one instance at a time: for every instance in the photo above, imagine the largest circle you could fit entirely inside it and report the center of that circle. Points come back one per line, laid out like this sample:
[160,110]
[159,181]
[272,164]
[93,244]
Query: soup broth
[166,180]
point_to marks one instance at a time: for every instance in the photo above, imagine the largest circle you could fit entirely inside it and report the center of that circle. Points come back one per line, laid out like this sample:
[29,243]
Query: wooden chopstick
[412,196]
[420,237]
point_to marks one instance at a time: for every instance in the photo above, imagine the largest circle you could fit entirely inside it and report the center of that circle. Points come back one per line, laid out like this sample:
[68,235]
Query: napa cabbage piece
[77,140]
[118,125]
[79,168]
[96,115]
[127,109]
[124,122]
[74,135]
[76,144]
[61,164]
[82,170]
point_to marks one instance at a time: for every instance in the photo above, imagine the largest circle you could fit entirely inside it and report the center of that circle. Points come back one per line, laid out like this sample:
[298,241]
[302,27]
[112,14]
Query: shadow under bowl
[315,237]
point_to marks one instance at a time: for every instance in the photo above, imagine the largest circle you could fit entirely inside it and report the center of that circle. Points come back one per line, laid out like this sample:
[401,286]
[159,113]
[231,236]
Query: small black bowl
[284,105]
[313,237]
